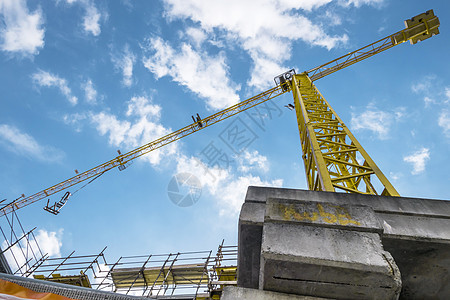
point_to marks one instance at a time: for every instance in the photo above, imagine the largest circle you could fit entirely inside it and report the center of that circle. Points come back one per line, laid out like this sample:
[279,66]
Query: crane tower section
[328,145]
[334,160]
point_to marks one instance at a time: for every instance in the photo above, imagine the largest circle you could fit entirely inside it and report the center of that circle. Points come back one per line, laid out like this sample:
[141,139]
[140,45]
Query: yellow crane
[334,160]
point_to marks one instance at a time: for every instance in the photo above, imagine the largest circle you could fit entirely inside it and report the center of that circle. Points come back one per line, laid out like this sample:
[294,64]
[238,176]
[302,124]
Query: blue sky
[81,79]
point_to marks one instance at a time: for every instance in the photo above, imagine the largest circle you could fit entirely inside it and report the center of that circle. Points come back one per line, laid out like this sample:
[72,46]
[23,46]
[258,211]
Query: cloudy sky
[81,79]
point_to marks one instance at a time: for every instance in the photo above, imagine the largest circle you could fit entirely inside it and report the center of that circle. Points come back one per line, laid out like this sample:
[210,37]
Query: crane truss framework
[124,159]
[334,160]
[418,28]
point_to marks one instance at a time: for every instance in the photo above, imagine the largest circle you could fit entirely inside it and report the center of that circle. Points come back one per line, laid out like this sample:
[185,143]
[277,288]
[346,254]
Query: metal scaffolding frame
[22,248]
[190,275]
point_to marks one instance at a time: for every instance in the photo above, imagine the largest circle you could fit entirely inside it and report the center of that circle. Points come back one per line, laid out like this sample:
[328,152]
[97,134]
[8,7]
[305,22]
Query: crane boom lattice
[330,150]
[163,141]
[417,29]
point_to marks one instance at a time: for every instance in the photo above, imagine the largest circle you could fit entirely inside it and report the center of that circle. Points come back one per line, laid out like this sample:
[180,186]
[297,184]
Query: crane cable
[89,182]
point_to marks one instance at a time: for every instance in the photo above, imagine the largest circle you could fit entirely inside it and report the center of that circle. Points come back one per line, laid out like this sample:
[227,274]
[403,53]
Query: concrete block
[415,232]
[249,238]
[239,293]
[424,267]
[400,205]
[326,262]
[415,227]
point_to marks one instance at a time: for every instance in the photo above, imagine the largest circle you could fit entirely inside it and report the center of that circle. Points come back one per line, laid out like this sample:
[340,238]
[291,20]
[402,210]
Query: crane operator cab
[284,79]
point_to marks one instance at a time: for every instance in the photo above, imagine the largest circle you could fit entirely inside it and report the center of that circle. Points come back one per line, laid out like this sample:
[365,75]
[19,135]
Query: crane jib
[145,149]
[417,29]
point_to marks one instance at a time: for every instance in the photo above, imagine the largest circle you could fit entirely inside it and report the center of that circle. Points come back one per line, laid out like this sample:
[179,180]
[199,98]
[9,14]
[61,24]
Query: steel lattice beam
[165,140]
[338,157]
[330,151]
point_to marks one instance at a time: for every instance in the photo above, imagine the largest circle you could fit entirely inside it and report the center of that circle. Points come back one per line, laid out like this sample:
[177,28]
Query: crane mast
[330,151]
[333,158]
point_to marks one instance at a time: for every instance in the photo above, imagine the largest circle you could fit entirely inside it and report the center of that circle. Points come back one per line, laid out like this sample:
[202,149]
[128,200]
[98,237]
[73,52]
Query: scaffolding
[20,251]
[181,275]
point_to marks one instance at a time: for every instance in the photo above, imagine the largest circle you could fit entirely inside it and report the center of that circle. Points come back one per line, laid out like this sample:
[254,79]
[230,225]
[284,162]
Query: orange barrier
[20,292]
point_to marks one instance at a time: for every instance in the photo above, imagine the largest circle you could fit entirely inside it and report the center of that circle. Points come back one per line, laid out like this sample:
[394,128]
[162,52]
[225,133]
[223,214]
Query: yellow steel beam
[329,148]
[317,123]
[417,29]
[316,168]
[145,149]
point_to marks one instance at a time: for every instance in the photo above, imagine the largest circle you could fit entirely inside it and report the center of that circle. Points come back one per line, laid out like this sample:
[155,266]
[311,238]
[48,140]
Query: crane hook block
[55,208]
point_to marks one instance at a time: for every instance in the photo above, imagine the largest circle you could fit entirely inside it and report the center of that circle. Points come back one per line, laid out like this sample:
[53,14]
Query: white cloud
[125,62]
[23,144]
[424,85]
[210,177]
[358,3]
[444,122]
[20,30]
[395,176]
[428,101]
[375,120]
[21,253]
[141,107]
[75,120]
[43,78]
[227,188]
[109,124]
[438,95]
[252,161]
[264,65]
[197,35]
[418,160]
[90,93]
[50,242]
[204,75]
[141,127]
[265,34]
[91,19]
[333,18]
[233,193]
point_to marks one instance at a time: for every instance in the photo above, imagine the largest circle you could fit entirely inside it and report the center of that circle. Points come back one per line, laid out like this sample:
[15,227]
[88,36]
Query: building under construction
[351,236]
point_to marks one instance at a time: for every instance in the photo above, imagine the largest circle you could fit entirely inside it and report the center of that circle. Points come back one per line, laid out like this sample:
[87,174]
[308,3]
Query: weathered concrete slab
[239,293]
[323,214]
[327,262]
[401,205]
[251,221]
[326,250]
[413,229]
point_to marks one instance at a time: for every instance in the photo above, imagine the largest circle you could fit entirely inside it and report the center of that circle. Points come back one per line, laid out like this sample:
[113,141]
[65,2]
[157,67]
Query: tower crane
[334,160]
